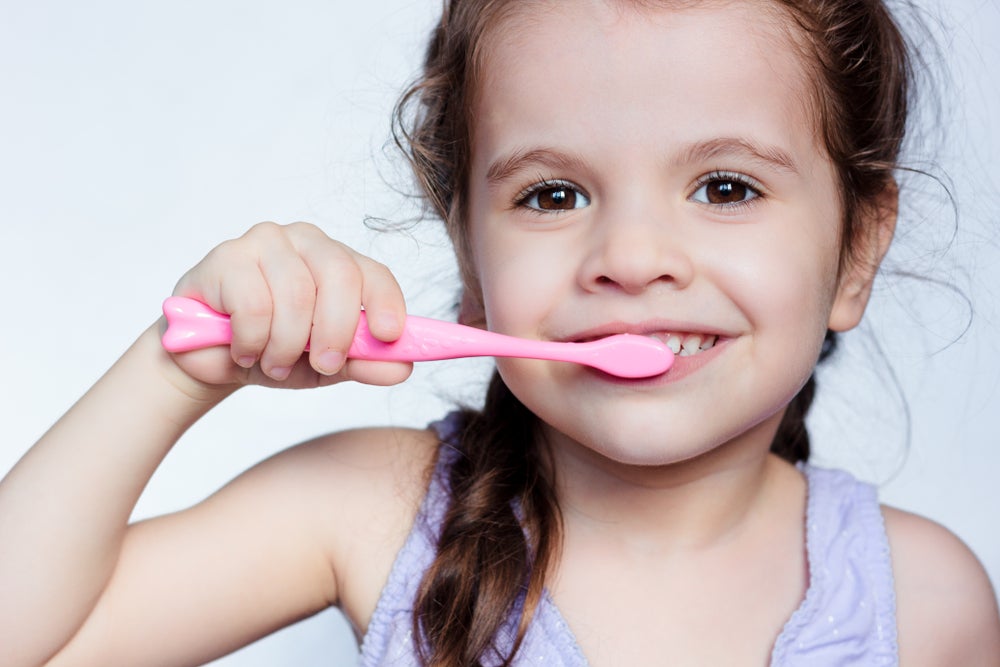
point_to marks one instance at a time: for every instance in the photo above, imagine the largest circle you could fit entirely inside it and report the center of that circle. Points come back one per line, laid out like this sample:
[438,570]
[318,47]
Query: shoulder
[356,493]
[349,475]
[376,480]
[377,465]
[946,606]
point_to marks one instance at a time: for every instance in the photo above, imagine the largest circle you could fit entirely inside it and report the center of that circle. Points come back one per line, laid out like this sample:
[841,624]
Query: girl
[716,175]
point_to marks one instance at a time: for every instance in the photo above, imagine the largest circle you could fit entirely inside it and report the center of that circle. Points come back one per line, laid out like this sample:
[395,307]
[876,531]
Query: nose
[633,250]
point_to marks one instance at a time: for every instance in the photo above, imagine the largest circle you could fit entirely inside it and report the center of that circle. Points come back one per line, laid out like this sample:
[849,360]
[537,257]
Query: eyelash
[520,201]
[718,175]
[731,177]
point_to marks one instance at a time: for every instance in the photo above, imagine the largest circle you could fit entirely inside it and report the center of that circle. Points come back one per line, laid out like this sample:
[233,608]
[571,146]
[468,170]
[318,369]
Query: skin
[590,215]
[644,256]
[675,522]
[632,126]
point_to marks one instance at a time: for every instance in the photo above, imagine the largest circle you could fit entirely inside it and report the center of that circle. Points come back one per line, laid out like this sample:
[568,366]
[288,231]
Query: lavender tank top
[848,615]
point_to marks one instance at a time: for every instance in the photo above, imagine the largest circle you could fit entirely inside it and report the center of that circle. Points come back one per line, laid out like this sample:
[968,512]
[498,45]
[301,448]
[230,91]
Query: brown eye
[724,190]
[554,197]
[557,199]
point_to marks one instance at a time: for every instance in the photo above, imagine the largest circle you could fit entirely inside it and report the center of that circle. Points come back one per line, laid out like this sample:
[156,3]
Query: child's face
[654,172]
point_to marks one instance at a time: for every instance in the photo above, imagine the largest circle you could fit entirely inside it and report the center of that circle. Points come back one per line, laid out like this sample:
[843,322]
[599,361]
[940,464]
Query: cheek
[783,281]
[522,276]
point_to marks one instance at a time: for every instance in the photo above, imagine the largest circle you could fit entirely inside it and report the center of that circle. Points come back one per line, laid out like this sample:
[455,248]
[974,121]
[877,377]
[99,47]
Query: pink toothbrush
[192,325]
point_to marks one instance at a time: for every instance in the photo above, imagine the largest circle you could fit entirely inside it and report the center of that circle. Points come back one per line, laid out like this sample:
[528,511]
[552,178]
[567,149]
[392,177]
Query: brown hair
[502,529]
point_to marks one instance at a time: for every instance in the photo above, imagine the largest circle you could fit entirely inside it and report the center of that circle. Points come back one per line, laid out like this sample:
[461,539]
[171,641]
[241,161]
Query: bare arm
[946,607]
[68,559]
[315,525]
[65,505]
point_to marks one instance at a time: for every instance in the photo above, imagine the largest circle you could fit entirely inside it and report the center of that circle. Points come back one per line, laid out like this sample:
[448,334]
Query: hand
[284,286]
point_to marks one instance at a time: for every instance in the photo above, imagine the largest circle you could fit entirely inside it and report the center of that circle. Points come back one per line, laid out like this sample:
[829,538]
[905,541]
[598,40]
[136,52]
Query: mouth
[682,344]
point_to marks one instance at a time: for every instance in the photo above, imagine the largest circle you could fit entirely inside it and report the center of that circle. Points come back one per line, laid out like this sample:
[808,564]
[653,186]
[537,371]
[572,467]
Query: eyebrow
[738,147]
[556,160]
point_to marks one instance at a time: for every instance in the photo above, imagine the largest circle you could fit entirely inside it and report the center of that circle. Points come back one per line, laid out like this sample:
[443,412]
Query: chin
[632,447]
[666,453]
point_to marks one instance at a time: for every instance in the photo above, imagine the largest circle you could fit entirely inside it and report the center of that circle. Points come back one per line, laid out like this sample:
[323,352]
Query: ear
[854,286]
[470,310]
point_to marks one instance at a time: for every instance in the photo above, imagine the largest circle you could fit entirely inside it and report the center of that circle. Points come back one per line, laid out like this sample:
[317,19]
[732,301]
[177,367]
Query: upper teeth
[686,345]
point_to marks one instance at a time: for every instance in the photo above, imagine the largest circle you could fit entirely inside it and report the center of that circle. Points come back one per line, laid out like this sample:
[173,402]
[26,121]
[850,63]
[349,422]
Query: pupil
[726,192]
[557,198]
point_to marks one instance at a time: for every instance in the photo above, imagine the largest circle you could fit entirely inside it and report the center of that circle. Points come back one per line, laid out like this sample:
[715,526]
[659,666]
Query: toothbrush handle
[192,325]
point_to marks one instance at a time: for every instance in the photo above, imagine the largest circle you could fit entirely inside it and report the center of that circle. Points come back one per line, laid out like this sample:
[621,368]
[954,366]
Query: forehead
[622,73]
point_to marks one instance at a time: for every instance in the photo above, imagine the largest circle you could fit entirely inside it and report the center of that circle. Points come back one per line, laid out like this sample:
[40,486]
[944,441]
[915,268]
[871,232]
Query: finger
[293,298]
[246,297]
[380,294]
[385,307]
[338,281]
[381,373]
[229,281]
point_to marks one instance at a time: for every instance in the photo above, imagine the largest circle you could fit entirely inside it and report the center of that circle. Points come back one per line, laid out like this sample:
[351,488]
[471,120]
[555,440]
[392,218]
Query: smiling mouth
[681,344]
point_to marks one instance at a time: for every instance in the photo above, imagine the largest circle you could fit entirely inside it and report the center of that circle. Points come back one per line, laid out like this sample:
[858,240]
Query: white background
[135,136]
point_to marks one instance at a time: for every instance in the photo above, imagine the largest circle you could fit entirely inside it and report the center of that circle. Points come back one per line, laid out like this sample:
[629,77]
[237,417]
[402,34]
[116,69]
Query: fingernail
[246,361]
[329,362]
[280,372]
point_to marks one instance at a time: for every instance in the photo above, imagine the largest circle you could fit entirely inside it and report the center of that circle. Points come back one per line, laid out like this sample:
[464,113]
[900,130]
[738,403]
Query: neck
[689,505]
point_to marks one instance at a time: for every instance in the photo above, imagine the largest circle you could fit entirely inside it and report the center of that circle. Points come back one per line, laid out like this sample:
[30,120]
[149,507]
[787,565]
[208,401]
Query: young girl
[715,175]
